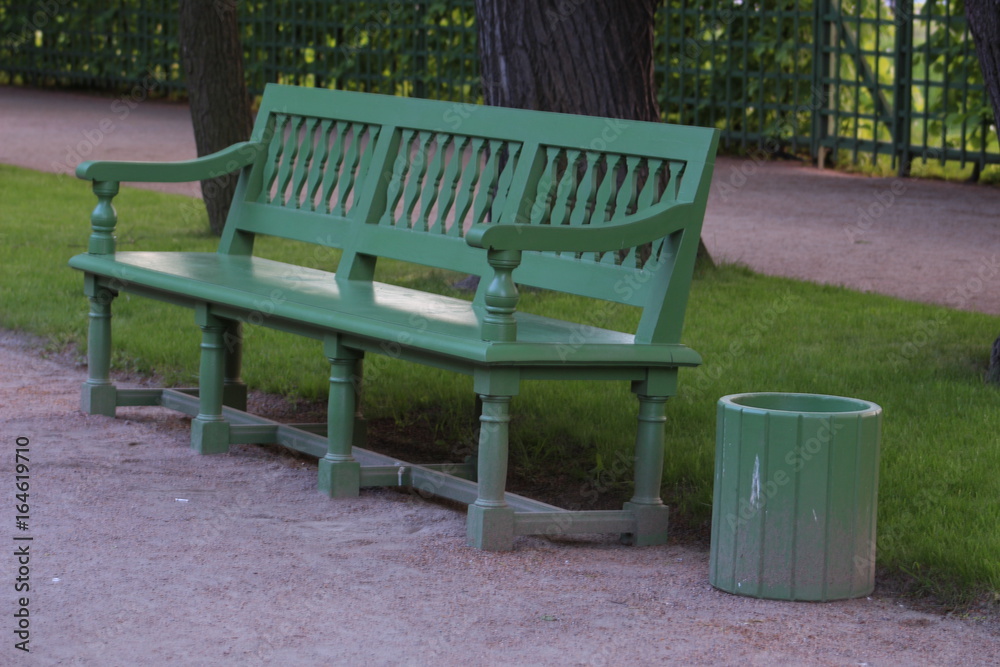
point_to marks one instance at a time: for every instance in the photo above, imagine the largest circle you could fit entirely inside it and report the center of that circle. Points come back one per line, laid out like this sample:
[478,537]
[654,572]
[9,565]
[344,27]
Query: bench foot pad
[490,528]
[651,525]
[98,399]
[209,437]
[339,479]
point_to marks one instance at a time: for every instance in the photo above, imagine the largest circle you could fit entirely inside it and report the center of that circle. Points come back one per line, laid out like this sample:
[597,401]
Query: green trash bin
[796,492]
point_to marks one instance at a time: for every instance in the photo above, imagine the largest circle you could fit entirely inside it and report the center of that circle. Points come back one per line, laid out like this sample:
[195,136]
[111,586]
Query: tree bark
[593,58]
[212,57]
[590,57]
[984,24]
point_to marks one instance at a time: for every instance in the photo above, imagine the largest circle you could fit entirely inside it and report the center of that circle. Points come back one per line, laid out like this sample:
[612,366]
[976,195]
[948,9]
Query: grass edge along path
[938,520]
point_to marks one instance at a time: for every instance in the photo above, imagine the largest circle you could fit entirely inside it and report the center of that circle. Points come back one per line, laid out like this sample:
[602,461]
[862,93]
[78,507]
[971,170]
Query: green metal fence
[387,46]
[740,68]
[858,80]
[854,79]
[398,48]
[903,81]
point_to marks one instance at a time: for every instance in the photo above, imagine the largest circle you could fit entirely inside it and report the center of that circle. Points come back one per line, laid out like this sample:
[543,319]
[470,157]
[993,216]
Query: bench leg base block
[209,437]
[490,528]
[340,479]
[651,525]
[98,399]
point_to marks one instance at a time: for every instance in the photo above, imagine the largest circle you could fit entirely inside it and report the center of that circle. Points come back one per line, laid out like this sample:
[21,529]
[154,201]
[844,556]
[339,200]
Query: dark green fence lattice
[853,79]
[402,48]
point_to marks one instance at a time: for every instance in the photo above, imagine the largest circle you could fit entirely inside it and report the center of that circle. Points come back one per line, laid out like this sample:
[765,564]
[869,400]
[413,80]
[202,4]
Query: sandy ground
[145,553]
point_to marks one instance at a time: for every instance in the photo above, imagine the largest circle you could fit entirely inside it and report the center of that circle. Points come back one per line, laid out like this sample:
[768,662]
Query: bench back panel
[443,183]
[406,178]
[316,164]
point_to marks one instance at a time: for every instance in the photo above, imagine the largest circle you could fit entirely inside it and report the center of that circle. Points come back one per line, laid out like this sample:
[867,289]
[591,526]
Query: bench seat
[313,303]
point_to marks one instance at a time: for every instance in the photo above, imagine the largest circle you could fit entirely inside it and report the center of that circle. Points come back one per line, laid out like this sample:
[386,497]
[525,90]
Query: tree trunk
[590,57]
[984,24]
[993,372]
[212,57]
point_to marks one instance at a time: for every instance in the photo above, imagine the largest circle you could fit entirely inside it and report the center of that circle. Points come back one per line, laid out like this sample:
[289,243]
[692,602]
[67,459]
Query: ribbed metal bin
[795,498]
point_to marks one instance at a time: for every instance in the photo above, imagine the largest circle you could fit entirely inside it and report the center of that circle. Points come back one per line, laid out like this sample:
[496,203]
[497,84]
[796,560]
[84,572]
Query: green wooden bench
[606,209]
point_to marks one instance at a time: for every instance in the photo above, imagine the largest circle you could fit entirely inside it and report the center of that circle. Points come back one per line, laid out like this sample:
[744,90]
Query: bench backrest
[382,176]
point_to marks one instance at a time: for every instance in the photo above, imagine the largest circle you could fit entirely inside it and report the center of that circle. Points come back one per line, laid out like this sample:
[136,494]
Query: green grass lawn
[939,499]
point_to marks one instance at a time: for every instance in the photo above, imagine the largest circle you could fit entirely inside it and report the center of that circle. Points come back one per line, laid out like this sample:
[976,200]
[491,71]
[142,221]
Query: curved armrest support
[225,161]
[632,230]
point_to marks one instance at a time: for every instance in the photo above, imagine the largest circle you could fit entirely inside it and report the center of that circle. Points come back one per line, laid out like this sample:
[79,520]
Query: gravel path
[145,553]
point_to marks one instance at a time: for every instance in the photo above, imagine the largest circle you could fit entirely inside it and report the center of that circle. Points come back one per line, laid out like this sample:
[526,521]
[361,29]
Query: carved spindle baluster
[411,196]
[319,164]
[602,202]
[351,159]
[627,192]
[291,155]
[547,184]
[451,179]
[501,296]
[366,137]
[274,153]
[103,219]
[306,148]
[653,187]
[673,185]
[509,163]
[331,173]
[565,192]
[432,185]
[400,169]
[470,179]
[625,205]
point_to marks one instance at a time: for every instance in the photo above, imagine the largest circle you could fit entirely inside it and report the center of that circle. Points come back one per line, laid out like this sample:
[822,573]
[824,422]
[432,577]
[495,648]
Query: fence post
[902,102]
[420,55]
[823,42]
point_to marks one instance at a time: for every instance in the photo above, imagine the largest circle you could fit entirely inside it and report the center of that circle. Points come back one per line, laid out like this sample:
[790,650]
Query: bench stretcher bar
[447,480]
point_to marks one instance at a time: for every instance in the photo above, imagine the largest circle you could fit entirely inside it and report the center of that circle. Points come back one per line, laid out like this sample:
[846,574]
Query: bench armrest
[223,162]
[632,230]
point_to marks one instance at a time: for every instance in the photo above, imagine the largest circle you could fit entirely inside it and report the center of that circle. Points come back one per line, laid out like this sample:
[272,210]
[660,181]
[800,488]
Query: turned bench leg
[234,390]
[209,430]
[490,524]
[650,512]
[339,473]
[98,396]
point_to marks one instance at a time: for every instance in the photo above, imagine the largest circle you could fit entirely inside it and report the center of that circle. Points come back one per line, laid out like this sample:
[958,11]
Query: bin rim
[737,401]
